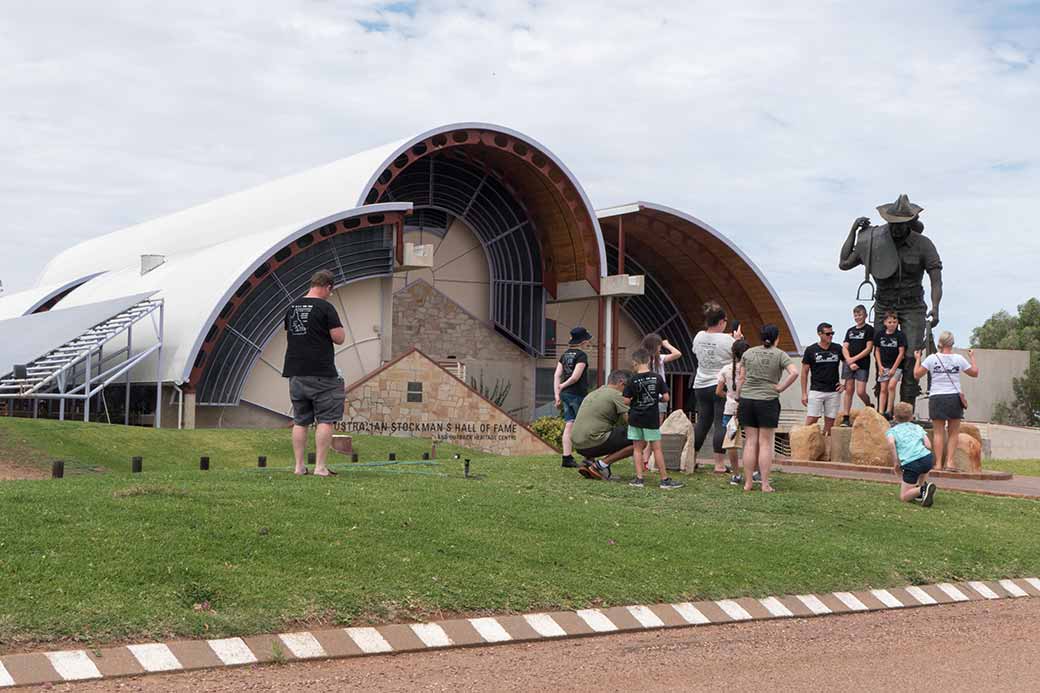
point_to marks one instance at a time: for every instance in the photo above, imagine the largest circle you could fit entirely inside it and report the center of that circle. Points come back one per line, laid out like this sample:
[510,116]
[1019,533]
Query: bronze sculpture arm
[935,277]
[849,257]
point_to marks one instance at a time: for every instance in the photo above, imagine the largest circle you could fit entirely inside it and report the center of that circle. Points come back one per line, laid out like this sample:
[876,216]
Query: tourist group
[736,395]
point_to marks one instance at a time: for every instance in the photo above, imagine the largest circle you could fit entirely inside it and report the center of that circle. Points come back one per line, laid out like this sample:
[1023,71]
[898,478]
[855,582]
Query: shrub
[549,429]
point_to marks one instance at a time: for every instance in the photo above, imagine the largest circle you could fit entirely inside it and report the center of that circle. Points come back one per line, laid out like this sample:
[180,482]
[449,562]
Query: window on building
[414,393]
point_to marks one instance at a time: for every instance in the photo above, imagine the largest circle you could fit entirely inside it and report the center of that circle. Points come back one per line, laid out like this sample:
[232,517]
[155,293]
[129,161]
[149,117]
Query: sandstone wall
[427,319]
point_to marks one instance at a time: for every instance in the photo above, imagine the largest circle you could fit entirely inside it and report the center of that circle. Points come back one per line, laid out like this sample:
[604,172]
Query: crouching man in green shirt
[601,428]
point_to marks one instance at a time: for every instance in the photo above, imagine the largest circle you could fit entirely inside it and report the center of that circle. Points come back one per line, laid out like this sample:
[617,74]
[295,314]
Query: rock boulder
[869,445]
[972,430]
[807,443]
[677,423]
[968,455]
[686,460]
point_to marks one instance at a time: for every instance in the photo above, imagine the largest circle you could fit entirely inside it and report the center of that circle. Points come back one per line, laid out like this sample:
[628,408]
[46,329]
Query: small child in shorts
[912,456]
[642,393]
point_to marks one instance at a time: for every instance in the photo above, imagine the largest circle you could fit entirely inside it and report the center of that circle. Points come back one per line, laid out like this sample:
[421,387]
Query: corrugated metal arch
[696,263]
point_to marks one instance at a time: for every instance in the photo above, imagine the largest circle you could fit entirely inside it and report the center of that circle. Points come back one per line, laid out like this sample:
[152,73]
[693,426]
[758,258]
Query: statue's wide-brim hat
[899,211]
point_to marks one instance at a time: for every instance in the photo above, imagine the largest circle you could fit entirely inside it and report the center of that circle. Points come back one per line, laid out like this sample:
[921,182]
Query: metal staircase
[78,369]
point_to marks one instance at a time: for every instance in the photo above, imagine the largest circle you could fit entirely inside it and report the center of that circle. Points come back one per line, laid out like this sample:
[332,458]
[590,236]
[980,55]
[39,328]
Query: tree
[1022,332]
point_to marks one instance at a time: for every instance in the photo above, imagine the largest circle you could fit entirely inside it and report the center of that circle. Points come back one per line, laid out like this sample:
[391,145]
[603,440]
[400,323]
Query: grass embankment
[87,447]
[175,551]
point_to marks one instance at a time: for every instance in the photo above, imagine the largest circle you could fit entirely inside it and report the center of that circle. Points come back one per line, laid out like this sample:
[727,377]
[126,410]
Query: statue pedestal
[841,441]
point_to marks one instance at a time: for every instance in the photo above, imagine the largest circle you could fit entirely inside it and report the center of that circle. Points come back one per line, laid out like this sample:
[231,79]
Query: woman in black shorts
[945,406]
[761,381]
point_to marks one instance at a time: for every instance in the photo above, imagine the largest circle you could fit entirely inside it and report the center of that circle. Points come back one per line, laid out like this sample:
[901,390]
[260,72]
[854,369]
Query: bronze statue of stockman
[897,256]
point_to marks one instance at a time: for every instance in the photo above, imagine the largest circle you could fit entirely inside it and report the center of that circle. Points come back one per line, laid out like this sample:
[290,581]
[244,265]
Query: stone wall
[450,410]
[426,319]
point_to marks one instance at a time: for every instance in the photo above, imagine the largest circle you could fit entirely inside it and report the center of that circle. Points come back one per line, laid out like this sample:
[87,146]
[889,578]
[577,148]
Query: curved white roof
[196,284]
[295,200]
[211,248]
[28,301]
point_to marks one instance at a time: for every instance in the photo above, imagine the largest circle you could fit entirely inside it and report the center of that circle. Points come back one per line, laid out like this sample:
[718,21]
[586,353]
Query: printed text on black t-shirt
[888,347]
[309,349]
[823,367]
[645,390]
[856,339]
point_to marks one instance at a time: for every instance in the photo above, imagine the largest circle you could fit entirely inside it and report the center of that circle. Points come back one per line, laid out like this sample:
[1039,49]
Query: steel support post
[129,353]
[158,368]
[86,399]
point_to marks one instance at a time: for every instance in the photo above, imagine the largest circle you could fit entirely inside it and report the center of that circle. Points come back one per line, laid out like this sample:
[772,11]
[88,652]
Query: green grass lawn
[1018,467]
[179,552]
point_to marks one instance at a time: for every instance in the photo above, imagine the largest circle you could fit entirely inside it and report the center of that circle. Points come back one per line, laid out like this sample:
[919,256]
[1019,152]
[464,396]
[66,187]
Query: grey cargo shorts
[316,399]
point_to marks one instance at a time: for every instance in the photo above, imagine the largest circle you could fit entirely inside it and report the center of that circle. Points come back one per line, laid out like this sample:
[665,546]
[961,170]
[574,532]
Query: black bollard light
[393,456]
[465,469]
[311,457]
[58,469]
[135,465]
[426,455]
[261,461]
[204,463]
[354,457]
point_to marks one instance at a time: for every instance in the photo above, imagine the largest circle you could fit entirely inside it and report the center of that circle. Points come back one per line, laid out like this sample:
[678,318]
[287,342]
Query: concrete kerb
[340,643]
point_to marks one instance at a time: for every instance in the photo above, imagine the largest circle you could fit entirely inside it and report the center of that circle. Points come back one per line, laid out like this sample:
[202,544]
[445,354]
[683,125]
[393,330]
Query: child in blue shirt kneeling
[912,455]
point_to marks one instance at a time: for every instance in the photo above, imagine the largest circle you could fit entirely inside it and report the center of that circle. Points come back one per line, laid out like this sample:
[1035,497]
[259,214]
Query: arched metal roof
[504,145]
[198,285]
[209,249]
[696,263]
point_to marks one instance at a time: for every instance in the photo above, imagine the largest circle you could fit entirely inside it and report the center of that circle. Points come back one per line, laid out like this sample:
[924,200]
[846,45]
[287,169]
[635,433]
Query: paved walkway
[1018,486]
[975,647]
[350,643]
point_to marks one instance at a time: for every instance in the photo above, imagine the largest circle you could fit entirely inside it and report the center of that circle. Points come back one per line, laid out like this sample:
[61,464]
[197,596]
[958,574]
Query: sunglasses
[827,334]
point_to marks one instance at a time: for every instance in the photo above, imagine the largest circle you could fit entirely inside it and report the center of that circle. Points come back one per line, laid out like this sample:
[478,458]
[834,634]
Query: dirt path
[13,471]
[17,461]
[982,646]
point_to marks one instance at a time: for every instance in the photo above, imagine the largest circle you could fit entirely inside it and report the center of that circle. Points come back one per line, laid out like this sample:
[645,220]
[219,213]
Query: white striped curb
[130,660]
[155,657]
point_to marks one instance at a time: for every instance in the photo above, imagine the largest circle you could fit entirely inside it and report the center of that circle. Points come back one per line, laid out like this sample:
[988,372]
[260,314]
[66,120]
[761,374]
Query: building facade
[471,243]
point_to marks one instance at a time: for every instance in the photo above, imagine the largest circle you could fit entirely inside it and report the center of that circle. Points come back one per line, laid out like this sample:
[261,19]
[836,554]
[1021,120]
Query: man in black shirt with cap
[316,389]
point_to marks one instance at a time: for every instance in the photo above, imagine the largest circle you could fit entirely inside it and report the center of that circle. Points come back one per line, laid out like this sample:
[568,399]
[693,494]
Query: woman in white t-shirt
[945,406]
[712,347]
[727,387]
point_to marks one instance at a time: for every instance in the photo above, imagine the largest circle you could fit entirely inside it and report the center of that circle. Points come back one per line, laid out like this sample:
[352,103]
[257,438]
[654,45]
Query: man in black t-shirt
[316,389]
[570,385]
[821,388]
[856,348]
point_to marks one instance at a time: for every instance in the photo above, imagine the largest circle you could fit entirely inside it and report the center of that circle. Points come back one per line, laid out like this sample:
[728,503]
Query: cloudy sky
[777,123]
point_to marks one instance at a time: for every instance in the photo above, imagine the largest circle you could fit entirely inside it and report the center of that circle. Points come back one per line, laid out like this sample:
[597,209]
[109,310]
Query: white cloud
[778,123]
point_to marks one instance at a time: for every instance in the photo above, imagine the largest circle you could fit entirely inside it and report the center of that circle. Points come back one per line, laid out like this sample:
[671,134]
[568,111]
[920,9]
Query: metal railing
[57,374]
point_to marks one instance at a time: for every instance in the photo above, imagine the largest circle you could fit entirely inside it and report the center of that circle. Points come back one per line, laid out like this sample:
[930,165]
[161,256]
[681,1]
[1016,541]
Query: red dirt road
[982,646]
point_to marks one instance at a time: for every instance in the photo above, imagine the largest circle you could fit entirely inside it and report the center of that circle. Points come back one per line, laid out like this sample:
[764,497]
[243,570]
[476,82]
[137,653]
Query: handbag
[964,400]
[734,437]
